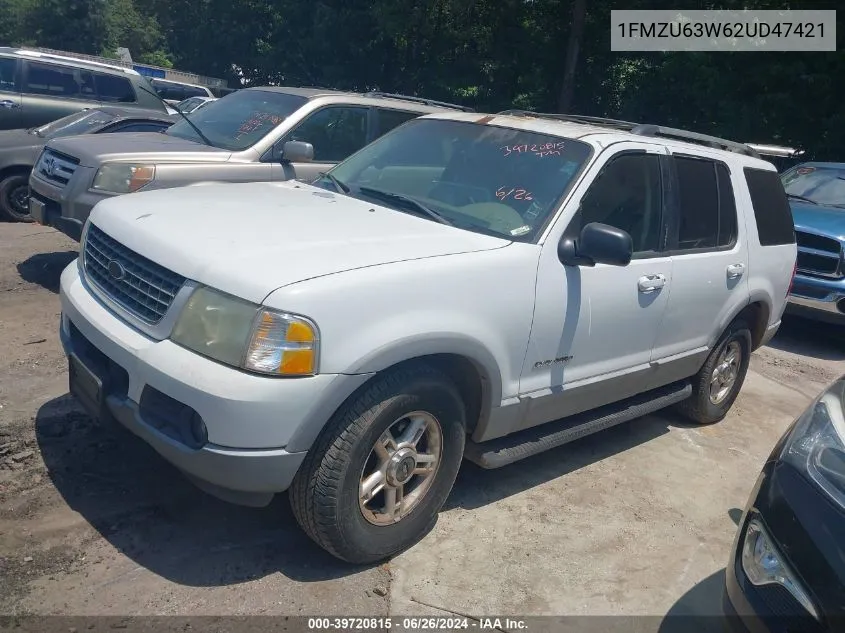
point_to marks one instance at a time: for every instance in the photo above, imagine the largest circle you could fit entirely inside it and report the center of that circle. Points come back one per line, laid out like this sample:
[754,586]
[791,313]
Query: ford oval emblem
[116,271]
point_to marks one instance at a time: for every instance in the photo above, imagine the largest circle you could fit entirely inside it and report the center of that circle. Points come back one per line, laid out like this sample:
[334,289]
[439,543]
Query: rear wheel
[374,481]
[14,198]
[719,380]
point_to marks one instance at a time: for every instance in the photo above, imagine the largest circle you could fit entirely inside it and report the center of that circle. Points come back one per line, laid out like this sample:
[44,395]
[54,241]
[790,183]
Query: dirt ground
[635,521]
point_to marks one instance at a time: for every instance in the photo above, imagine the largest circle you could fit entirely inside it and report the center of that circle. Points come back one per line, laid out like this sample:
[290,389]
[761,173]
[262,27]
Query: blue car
[816,194]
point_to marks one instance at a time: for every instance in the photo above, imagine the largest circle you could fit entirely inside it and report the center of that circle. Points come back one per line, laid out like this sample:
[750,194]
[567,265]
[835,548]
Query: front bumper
[817,298]
[157,389]
[64,208]
[801,523]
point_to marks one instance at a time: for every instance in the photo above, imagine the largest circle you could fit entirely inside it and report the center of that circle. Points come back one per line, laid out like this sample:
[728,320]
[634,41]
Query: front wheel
[719,380]
[373,483]
[14,198]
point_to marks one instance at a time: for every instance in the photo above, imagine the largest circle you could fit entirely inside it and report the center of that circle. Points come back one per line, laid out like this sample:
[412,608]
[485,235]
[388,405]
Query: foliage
[490,54]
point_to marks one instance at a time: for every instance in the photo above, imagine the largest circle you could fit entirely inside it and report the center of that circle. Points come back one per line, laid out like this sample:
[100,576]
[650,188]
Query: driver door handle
[9,104]
[735,270]
[650,283]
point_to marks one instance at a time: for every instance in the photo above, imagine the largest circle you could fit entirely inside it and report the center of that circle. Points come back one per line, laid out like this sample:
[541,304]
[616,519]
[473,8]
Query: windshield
[817,184]
[482,178]
[76,123]
[239,120]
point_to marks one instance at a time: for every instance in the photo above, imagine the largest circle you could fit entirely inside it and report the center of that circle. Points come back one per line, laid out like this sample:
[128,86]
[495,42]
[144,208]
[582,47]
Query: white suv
[487,286]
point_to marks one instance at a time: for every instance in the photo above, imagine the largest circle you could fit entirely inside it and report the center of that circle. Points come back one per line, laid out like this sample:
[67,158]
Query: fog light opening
[763,564]
[840,305]
[198,430]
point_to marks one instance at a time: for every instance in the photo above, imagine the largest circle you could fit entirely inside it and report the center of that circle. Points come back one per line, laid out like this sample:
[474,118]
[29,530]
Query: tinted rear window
[771,208]
[113,88]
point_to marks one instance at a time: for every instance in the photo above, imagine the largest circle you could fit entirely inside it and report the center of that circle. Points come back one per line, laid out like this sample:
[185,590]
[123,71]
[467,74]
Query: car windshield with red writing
[484,178]
[239,120]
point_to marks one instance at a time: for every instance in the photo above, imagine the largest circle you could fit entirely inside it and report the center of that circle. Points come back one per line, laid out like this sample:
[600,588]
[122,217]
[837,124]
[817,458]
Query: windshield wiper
[409,203]
[184,116]
[802,198]
[340,186]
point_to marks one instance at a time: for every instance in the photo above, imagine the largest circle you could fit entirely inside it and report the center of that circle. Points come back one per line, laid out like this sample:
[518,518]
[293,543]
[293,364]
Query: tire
[326,492]
[700,407]
[11,188]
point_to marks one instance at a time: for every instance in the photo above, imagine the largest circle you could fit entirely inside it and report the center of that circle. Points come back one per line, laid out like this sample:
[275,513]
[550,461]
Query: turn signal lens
[282,344]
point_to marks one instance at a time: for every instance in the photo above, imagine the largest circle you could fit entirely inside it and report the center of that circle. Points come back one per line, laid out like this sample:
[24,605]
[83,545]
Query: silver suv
[256,134]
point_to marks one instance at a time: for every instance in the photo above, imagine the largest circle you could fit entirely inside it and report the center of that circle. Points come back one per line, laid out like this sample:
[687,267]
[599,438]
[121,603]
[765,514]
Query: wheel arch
[470,366]
[756,314]
[10,170]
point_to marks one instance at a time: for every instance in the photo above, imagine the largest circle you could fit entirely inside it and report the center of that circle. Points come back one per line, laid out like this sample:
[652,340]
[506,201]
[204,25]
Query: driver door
[594,327]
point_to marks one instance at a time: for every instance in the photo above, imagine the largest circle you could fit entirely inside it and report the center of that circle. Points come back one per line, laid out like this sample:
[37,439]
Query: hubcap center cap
[401,467]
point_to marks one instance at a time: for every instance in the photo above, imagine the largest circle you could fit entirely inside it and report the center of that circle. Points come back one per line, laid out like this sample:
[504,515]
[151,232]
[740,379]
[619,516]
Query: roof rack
[430,102]
[645,129]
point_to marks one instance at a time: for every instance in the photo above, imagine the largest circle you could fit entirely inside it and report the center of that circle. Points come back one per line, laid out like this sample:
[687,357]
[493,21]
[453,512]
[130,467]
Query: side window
[771,208]
[727,206]
[389,119]
[627,194]
[335,132]
[136,127]
[8,66]
[114,89]
[698,224]
[191,91]
[46,79]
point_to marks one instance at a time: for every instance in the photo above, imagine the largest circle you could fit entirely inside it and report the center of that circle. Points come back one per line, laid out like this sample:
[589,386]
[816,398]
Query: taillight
[792,279]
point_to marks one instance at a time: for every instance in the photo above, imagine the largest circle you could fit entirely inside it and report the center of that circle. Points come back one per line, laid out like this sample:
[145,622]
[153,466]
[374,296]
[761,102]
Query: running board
[511,448]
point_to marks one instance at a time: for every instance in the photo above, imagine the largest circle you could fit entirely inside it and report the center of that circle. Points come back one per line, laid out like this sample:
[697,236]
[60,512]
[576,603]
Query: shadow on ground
[45,269]
[699,610]
[476,487]
[146,509]
[823,341]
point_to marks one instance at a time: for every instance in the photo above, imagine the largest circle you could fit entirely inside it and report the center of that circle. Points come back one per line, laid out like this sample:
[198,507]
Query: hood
[250,239]
[819,219]
[92,150]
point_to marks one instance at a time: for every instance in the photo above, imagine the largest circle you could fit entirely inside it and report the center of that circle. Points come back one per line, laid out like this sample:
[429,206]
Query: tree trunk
[579,11]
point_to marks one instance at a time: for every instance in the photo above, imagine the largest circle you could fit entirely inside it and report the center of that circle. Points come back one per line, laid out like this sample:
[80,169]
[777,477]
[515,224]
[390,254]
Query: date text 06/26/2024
[415,624]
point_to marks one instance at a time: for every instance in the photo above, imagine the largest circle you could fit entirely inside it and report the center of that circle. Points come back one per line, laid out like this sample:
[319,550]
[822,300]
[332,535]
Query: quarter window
[627,194]
[775,225]
[335,132]
[114,89]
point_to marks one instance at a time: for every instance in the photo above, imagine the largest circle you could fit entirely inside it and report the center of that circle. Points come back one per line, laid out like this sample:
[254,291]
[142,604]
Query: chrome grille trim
[56,167]
[146,291]
[819,255]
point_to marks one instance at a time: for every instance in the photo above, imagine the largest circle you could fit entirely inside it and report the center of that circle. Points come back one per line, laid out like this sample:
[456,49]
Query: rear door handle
[735,270]
[650,283]
[9,104]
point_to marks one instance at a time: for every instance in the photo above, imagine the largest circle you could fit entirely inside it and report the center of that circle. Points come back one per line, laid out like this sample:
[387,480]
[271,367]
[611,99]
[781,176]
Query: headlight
[816,446]
[764,565]
[123,177]
[245,335]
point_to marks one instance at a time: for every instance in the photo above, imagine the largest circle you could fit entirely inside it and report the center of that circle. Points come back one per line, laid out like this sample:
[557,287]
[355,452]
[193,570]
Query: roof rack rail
[431,102]
[645,129]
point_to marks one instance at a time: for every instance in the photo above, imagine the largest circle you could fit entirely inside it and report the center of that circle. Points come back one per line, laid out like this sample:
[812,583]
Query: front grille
[819,255]
[817,242]
[55,167]
[138,285]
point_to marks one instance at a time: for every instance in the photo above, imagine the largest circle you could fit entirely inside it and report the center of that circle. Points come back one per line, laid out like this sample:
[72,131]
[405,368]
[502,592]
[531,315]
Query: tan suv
[255,134]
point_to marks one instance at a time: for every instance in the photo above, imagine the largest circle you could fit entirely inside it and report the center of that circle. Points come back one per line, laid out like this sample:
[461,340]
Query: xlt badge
[553,361]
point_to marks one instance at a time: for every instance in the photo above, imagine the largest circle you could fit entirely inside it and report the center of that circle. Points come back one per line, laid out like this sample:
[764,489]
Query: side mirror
[297,152]
[597,244]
